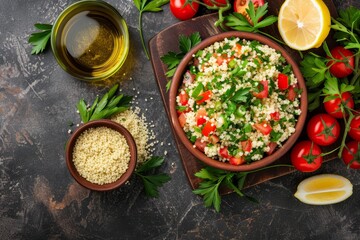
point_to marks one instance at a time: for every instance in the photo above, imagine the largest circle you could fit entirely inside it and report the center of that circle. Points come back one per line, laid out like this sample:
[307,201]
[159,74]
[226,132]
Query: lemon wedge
[324,189]
[304,24]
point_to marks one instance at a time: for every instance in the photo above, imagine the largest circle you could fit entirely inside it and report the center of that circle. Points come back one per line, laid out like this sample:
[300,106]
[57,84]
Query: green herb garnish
[147,6]
[172,59]
[39,40]
[152,182]
[109,105]
[214,178]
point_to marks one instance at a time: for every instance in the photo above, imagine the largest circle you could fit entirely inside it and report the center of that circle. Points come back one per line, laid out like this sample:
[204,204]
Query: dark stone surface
[40,200]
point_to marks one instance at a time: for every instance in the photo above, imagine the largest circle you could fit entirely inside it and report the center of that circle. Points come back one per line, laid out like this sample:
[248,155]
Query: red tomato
[291,95]
[323,129]
[183,98]
[246,145]
[188,77]
[263,88]
[275,116]
[236,160]
[182,119]
[183,10]
[224,153]
[354,131]
[200,116]
[238,48]
[333,108]
[283,81]
[208,128]
[218,3]
[240,6]
[264,127]
[351,155]
[272,146]
[200,145]
[205,96]
[306,156]
[345,66]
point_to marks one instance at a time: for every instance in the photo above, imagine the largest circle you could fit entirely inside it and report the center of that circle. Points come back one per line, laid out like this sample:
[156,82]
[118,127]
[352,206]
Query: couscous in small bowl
[101,155]
[213,94]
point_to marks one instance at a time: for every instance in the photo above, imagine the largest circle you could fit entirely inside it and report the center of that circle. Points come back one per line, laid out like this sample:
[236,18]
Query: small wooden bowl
[176,83]
[101,123]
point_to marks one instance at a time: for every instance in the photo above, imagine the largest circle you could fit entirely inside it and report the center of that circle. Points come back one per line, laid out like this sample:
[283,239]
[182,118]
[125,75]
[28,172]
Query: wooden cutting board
[167,40]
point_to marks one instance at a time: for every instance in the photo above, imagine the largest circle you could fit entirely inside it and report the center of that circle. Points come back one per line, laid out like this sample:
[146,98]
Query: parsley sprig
[39,40]
[107,106]
[172,59]
[147,6]
[151,181]
[239,22]
[213,179]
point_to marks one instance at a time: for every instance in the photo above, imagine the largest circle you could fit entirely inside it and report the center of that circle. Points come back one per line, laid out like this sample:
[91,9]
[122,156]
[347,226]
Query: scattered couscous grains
[101,155]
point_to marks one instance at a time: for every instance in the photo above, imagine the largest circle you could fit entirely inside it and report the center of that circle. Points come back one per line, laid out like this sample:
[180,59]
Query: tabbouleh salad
[238,101]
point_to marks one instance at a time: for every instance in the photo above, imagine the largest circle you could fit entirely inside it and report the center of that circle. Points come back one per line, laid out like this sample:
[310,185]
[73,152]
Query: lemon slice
[324,189]
[304,24]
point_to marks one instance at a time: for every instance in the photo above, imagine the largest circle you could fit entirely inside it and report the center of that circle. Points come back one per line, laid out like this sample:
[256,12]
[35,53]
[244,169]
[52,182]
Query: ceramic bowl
[93,124]
[177,81]
[83,33]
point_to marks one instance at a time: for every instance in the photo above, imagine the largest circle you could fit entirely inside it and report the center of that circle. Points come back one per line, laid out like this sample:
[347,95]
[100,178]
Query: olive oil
[91,41]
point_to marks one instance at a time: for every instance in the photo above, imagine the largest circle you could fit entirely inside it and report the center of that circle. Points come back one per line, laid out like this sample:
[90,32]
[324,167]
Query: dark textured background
[40,200]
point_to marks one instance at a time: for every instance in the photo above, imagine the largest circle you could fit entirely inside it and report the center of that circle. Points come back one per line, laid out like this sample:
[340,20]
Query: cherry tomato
[236,160]
[283,81]
[183,10]
[240,6]
[351,155]
[204,96]
[208,128]
[218,3]
[306,156]
[263,88]
[345,66]
[333,107]
[264,127]
[354,131]
[323,129]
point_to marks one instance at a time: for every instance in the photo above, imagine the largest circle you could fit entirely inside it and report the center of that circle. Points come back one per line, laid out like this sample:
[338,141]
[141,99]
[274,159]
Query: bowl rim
[126,41]
[177,79]
[94,124]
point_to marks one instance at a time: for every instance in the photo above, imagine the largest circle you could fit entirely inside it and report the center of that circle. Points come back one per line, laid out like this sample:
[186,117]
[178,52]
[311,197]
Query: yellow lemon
[304,24]
[324,189]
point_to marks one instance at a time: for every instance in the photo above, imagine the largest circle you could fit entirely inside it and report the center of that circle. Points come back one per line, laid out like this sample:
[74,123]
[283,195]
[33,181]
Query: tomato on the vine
[343,65]
[354,131]
[218,3]
[351,154]
[323,129]
[183,10]
[333,107]
[306,156]
[240,6]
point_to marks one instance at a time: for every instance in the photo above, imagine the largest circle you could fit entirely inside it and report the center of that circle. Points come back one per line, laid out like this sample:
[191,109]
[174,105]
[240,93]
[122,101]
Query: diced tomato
[208,128]
[246,145]
[291,95]
[264,127]
[205,96]
[183,98]
[237,48]
[283,81]
[237,160]
[188,77]
[224,153]
[275,116]
[272,146]
[200,145]
[182,119]
[263,90]
[200,121]
[221,59]
[200,116]
[214,139]
[183,111]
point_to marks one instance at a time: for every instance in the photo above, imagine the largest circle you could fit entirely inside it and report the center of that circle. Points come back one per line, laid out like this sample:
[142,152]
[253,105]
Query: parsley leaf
[147,6]
[152,182]
[106,107]
[39,40]
[172,59]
